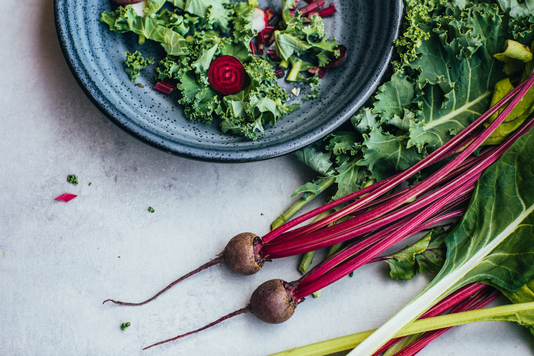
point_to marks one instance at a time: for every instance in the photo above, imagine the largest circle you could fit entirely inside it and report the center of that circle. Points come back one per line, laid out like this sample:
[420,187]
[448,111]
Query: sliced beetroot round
[336,62]
[126,2]
[226,75]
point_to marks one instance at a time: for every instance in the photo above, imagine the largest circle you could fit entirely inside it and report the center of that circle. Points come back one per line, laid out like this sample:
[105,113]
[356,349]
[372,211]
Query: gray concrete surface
[59,261]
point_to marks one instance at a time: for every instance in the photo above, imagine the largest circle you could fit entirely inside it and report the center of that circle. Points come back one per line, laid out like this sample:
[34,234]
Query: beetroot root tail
[228,316]
[218,260]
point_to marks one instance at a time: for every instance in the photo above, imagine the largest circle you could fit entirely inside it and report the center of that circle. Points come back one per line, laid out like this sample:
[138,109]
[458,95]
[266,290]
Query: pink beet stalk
[373,191]
[441,307]
[471,297]
[479,301]
[165,87]
[311,7]
[347,261]
[270,13]
[327,11]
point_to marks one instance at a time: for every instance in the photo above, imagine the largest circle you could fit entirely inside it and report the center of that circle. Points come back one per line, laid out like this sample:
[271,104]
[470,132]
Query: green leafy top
[295,38]
[492,241]
[427,254]
[442,78]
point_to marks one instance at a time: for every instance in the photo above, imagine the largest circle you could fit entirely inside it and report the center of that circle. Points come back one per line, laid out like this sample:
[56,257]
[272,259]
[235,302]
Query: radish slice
[260,19]
[226,75]
[139,7]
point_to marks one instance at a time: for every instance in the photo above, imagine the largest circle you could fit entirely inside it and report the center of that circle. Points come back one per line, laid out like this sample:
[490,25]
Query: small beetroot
[226,75]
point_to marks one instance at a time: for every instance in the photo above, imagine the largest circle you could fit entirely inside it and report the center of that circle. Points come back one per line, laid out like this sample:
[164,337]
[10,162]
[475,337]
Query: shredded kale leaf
[135,63]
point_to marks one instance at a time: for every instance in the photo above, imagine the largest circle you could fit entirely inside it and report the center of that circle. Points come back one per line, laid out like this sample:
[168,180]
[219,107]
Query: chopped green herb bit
[139,85]
[72,178]
[151,209]
[90,184]
[135,63]
[125,325]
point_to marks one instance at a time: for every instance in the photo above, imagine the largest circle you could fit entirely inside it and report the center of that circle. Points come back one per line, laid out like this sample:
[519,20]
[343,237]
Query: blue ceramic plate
[95,56]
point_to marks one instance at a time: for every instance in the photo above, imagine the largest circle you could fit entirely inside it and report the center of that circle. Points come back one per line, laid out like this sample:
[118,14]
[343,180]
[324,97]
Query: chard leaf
[288,44]
[493,241]
[427,254]
[394,96]
[315,159]
[387,153]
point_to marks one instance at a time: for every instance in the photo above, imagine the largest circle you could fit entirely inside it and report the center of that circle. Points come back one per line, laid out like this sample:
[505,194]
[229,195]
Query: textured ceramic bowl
[95,56]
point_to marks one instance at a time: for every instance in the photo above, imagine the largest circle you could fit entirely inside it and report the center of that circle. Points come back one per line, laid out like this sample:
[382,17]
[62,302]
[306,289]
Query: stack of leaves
[450,67]
[441,79]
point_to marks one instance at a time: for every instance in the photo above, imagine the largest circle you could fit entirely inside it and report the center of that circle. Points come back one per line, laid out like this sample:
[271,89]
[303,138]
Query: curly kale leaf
[262,103]
[124,19]
[135,63]
[441,79]
[242,22]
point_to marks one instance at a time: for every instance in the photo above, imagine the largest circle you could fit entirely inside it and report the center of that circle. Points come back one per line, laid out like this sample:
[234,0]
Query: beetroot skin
[272,302]
[241,253]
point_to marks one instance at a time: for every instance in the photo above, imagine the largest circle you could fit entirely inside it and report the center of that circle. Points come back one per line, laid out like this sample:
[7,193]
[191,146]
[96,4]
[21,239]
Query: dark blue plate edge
[227,156]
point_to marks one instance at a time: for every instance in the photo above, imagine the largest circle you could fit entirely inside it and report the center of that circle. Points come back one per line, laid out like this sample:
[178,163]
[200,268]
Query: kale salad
[226,59]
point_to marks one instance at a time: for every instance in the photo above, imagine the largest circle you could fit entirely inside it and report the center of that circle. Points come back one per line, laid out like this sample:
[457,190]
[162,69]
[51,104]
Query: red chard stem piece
[252,47]
[279,73]
[165,87]
[327,11]
[305,10]
[270,13]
